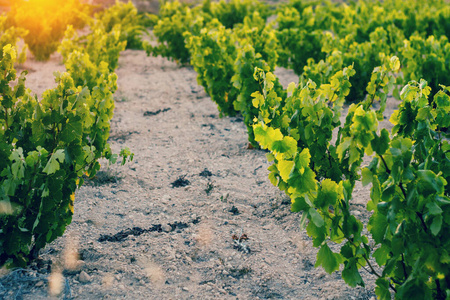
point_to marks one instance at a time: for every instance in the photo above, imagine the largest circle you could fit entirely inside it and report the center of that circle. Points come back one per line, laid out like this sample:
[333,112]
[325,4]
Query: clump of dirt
[180,182]
[156,112]
[137,231]
[205,173]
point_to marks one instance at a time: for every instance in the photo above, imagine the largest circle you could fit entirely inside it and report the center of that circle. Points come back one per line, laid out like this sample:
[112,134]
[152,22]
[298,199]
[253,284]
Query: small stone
[84,277]
[321,275]
[39,283]
[166,198]
[185,289]
[166,228]
[222,291]
[216,195]
[355,212]
[225,272]
[121,287]
[268,227]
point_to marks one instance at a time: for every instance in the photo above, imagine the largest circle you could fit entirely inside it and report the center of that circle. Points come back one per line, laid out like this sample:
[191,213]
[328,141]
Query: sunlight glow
[46,22]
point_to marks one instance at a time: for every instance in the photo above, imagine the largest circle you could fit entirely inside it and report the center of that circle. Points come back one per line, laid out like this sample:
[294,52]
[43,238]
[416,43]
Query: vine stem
[404,267]
[371,272]
[439,293]
[6,119]
[385,164]
[372,269]
[419,215]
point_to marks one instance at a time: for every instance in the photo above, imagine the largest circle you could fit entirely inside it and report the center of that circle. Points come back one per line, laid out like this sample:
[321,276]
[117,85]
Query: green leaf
[285,168]
[394,63]
[377,226]
[73,130]
[351,275]
[266,135]
[436,225]
[317,233]
[414,289]
[380,144]
[18,165]
[32,158]
[347,250]
[428,183]
[303,159]
[299,204]
[343,146]
[382,289]
[291,88]
[328,259]
[302,183]
[316,217]
[286,145]
[52,164]
[382,254]
[433,208]
[425,113]
[367,176]
[328,193]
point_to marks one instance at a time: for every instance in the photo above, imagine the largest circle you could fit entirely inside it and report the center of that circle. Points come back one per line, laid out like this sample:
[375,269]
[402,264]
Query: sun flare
[46,22]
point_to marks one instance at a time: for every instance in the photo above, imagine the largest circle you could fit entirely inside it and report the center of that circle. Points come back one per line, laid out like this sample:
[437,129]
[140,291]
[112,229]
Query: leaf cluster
[125,18]
[11,35]
[45,23]
[409,175]
[48,144]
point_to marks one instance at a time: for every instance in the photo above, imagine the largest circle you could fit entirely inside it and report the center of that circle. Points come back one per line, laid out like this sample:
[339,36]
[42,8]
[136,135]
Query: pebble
[216,195]
[185,289]
[355,212]
[166,228]
[268,227]
[222,291]
[166,198]
[321,275]
[39,283]
[84,277]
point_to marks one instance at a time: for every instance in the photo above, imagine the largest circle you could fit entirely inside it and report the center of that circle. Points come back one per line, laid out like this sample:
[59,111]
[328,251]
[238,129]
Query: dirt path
[140,237]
